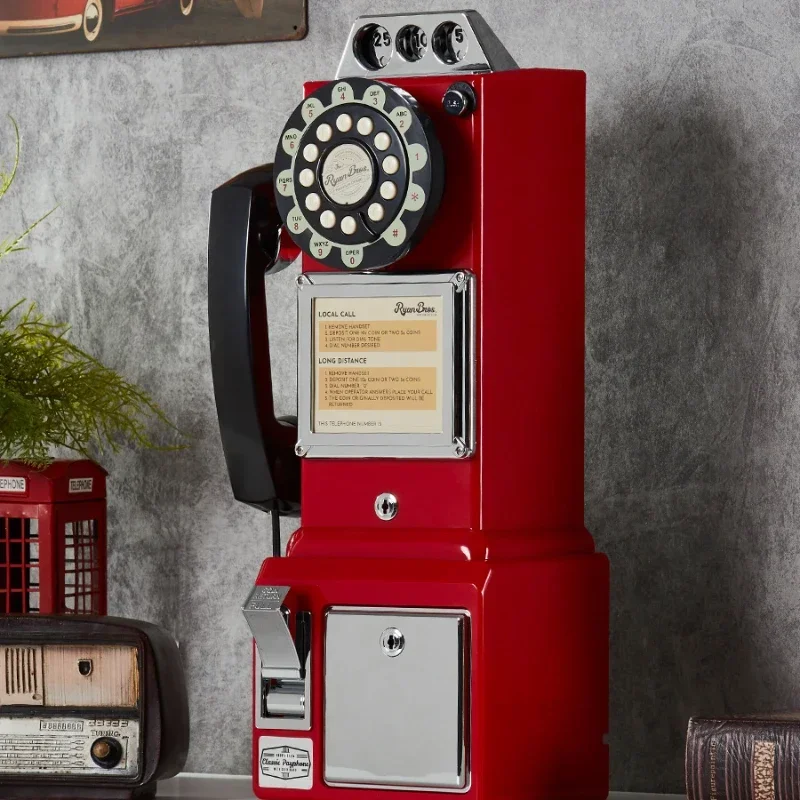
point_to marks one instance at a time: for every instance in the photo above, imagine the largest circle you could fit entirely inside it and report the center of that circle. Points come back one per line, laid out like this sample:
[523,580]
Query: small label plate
[285,763]
[78,485]
[60,745]
[10,485]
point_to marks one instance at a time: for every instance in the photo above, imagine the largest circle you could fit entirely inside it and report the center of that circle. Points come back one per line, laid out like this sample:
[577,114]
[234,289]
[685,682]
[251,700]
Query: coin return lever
[284,658]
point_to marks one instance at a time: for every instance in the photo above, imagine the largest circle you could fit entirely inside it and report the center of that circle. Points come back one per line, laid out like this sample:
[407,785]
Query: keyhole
[386,506]
[393,642]
[85,667]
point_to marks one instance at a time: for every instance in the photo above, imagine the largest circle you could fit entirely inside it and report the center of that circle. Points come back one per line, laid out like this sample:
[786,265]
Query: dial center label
[378,365]
[347,174]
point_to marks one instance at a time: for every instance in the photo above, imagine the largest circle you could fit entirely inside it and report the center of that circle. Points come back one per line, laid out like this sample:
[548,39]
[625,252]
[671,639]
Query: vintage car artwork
[87,18]
[92,26]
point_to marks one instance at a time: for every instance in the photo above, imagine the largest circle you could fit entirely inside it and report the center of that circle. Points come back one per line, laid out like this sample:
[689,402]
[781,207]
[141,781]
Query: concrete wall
[693,418]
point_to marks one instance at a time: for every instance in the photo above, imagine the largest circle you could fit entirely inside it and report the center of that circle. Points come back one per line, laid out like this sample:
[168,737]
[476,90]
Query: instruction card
[378,365]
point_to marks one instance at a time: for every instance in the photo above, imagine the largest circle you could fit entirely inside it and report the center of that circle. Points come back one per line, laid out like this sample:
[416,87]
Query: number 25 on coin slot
[440,621]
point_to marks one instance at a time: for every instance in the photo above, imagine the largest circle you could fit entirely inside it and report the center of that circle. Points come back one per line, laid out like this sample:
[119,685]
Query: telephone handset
[358,175]
[243,247]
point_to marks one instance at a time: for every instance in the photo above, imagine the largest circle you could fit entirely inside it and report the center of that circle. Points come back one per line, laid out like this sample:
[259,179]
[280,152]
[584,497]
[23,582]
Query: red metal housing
[53,539]
[500,534]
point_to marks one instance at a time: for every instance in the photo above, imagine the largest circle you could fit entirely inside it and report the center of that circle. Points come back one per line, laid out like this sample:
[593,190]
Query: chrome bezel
[457,440]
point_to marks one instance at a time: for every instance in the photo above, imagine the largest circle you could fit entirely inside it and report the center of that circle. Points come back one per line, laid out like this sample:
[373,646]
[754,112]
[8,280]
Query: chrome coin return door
[283,660]
[396,698]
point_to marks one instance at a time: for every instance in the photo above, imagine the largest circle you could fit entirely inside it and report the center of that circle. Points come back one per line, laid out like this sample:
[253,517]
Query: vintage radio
[90,707]
[440,622]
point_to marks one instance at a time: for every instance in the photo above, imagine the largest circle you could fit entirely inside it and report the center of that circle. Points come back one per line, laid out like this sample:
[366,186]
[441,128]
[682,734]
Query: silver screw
[393,642]
[299,449]
[386,506]
[460,277]
[301,280]
[460,449]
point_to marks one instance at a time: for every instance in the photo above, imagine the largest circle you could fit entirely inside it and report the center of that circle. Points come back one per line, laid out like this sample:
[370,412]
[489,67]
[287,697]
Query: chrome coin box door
[396,698]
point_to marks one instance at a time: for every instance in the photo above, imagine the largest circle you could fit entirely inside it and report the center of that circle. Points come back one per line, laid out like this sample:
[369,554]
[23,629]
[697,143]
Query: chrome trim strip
[32,27]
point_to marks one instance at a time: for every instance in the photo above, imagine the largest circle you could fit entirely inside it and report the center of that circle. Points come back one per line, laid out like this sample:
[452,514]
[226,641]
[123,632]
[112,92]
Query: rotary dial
[359,174]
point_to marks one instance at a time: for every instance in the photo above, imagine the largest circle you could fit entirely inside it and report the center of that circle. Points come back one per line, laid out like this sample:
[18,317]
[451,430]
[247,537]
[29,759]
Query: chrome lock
[386,506]
[393,642]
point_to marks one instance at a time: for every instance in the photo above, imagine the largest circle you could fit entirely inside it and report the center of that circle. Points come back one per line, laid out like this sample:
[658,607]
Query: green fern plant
[52,393]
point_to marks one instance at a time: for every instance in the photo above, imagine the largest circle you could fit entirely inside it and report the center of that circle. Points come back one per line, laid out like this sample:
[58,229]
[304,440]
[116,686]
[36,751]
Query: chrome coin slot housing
[432,43]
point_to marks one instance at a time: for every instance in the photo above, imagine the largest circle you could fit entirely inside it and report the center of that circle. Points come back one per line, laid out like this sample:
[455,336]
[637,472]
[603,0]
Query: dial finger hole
[382,140]
[327,219]
[324,132]
[313,202]
[365,126]
[310,152]
[388,190]
[306,177]
[348,225]
[391,164]
[344,122]
[375,212]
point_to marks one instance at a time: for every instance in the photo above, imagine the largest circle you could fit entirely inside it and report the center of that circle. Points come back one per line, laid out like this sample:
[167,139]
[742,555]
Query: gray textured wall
[693,421]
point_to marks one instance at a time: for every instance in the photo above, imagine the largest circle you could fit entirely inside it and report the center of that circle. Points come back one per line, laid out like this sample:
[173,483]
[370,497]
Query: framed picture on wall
[43,27]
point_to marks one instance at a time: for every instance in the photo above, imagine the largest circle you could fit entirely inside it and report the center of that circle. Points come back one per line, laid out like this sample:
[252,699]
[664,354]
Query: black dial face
[359,174]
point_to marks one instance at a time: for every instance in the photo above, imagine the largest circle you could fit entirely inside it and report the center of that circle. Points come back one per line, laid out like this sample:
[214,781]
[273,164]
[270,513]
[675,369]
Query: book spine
[742,760]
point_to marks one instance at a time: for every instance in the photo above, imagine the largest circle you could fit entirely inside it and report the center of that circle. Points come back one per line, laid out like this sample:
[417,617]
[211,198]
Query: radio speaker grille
[21,680]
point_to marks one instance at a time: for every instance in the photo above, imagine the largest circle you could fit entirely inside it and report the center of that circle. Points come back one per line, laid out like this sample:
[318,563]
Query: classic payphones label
[285,763]
[378,365]
[41,745]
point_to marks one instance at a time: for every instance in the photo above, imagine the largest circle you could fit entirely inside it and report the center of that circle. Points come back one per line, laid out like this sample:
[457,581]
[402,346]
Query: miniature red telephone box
[440,622]
[53,538]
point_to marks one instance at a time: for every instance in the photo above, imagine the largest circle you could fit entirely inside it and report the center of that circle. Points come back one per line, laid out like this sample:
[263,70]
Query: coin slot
[412,43]
[372,47]
[450,43]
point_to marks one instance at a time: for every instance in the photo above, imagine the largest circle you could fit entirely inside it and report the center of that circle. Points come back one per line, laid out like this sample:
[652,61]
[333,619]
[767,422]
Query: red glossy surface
[499,534]
[512,213]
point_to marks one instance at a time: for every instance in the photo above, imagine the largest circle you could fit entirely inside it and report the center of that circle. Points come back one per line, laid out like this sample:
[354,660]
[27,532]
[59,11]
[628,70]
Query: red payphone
[440,622]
